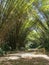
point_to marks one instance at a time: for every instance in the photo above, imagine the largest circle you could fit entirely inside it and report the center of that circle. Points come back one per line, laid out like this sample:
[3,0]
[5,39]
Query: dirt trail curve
[29,55]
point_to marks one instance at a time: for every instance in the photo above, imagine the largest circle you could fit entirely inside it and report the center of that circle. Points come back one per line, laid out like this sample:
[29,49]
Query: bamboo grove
[23,21]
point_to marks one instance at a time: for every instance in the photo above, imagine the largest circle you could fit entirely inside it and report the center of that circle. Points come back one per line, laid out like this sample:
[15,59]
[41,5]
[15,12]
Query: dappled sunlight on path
[35,56]
[17,56]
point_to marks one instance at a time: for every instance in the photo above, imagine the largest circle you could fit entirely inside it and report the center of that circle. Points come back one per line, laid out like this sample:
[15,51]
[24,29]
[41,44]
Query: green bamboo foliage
[19,18]
[15,21]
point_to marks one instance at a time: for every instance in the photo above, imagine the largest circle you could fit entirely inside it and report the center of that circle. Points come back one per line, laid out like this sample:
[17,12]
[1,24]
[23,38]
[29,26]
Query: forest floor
[28,58]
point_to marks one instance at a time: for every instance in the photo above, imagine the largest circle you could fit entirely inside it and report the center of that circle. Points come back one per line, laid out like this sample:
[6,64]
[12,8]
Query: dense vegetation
[24,24]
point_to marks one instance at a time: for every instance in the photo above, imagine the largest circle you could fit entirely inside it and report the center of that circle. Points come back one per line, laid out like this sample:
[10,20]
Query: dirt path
[29,55]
